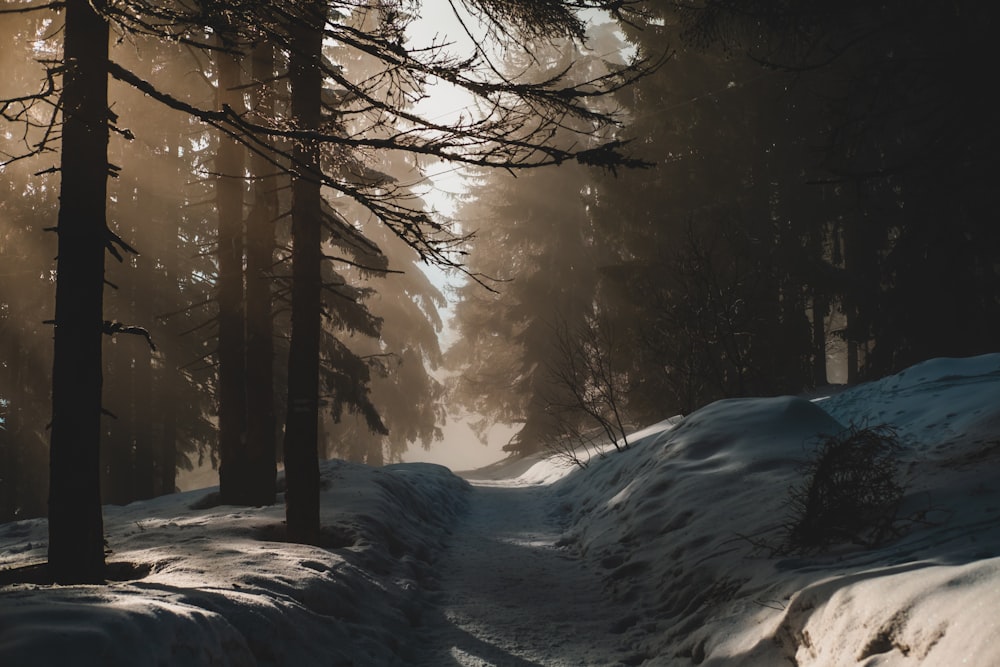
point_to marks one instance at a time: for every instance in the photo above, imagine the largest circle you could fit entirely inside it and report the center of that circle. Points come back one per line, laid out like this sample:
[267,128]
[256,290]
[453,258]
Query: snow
[655,555]
[221,590]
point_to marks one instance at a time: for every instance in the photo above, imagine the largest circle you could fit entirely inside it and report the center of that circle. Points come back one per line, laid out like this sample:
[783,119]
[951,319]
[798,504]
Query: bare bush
[851,491]
[588,388]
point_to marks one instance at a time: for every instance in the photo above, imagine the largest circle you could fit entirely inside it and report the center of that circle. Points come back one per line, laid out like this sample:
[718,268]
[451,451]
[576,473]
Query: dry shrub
[850,493]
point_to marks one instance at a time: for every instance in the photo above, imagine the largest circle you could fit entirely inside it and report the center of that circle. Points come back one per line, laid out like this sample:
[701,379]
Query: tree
[25,351]
[301,423]
[398,359]
[261,444]
[907,159]
[516,135]
[532,237]
[586,370]
[490,141]
[76,534]
[726,252]
[234,480]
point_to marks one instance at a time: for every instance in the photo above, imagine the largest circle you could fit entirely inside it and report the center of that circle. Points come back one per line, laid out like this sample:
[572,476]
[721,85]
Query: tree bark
[76,528]
[301,423]
[820,306]
[144,483]
[10,382]
[169,386]
[261,432]
[229,164]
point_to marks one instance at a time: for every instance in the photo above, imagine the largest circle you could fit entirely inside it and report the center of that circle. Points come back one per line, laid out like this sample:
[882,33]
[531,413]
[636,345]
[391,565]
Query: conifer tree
[516,136]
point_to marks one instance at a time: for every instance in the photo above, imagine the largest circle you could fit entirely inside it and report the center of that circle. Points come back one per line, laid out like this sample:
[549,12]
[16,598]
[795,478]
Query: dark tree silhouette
[302,420]
[76,533]
[261,430]
[230,294]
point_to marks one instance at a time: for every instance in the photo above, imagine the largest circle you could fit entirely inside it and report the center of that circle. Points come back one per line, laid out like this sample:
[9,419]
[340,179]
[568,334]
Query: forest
[215,218]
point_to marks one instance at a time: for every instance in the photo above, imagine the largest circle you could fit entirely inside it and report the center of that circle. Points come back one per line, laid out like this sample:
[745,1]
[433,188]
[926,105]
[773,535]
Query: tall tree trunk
[820,307]
[301,423]
[144,483]
[232,315]
[261,432]
[30,412]
[168,387]
[10,381]
[76,526]
[166,455]
[117,463]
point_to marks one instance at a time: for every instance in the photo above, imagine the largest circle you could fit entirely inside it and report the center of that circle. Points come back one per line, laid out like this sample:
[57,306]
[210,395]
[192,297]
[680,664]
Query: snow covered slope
[222,591]
[678,520]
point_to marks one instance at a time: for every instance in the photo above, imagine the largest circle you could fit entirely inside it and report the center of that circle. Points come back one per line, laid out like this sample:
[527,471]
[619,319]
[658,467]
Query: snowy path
[509,597]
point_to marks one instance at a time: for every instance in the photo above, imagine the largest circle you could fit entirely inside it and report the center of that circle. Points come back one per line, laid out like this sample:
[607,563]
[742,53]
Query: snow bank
[221,590]
[680,522]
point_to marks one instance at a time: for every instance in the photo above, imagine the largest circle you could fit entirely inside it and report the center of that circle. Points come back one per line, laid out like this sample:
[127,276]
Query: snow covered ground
[653,556]
[222,589]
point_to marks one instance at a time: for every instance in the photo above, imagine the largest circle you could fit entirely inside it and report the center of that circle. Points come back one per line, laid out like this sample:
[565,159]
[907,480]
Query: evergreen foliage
[819,183]
[322,134]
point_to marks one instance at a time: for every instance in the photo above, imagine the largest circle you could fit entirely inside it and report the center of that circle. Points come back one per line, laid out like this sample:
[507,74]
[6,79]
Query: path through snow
[510,597]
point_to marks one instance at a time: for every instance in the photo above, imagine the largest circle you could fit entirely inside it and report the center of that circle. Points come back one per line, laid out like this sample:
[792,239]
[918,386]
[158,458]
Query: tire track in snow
[509,598]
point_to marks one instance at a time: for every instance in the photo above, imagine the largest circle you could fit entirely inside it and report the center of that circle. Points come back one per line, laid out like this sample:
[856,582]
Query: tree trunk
[165,465]
[10,468]
[301,423]
[229,164]
[117,462]
[261,432]
[820,307]
[76,527]
[168,387]
[144,484]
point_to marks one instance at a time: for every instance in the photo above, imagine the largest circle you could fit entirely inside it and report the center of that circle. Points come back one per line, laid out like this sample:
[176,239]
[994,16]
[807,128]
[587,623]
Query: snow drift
[222,590]
[681,522]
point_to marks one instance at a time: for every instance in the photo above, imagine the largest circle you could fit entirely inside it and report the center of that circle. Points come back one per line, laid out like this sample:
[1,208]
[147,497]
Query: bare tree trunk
[76,526]
[116,445]
[168,386]
[820,306]
[166,444]
[301,423]
[232,315]
[10,382]
[142,422]
[261,432]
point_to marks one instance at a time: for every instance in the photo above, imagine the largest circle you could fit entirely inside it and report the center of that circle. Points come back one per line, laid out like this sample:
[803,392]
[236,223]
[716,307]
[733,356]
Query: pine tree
[505,140]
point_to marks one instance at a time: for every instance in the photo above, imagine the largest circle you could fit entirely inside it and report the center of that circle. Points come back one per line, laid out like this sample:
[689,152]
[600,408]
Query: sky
[666,553]
[460,448]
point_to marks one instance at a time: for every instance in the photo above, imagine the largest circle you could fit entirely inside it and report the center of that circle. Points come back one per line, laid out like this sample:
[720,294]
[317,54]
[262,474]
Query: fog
[460,449]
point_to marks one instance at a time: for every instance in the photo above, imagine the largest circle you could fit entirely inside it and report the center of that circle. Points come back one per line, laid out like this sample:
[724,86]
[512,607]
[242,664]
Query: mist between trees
[705,218]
